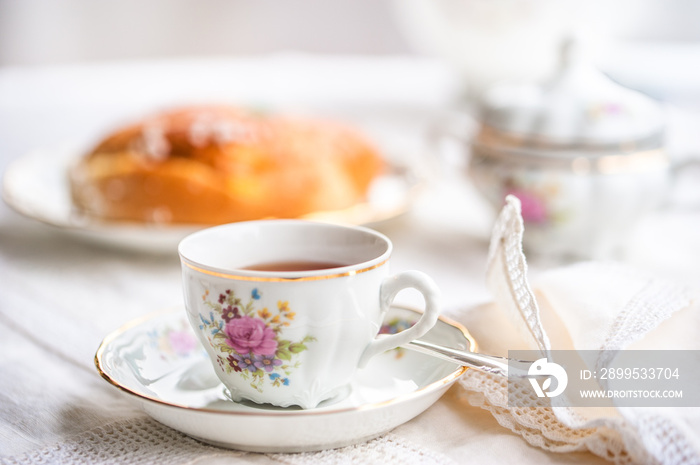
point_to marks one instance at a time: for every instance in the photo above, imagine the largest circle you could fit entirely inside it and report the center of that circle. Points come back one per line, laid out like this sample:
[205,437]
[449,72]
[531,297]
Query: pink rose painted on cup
[250,335]
[250,341]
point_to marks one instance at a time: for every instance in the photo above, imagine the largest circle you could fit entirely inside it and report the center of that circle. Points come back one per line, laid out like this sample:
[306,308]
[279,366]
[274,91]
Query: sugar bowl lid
[578,107]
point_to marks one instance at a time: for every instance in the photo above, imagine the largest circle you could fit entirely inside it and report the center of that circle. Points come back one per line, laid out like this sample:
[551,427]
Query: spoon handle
[500,366]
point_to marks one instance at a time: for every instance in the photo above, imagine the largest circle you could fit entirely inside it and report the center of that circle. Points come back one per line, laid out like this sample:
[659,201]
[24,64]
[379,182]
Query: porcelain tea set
[260,347]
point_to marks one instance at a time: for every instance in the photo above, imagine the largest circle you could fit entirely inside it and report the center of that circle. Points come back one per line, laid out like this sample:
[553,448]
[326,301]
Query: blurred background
[653,45]
[38,32]
[409,62]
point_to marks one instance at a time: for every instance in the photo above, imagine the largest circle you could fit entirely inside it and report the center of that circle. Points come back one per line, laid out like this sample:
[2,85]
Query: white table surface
[60,296]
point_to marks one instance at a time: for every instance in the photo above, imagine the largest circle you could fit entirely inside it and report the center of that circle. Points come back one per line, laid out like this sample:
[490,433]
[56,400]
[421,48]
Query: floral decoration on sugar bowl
[540,201]
[249,338]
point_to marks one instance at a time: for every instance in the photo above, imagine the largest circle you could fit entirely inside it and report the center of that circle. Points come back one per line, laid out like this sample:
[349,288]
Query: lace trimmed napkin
[591,306]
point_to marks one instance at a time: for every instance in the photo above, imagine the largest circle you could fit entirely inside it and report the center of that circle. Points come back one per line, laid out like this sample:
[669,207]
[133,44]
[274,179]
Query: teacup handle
[390,287]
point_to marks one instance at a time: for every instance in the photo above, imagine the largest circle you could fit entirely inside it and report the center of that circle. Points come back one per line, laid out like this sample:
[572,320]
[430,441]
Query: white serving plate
[36,186]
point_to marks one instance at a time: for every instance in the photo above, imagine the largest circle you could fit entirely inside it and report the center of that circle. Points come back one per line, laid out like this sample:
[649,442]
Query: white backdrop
[39,32]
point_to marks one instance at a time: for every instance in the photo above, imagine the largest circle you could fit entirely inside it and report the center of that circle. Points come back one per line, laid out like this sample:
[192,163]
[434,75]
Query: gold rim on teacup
[238,272]
[242,277]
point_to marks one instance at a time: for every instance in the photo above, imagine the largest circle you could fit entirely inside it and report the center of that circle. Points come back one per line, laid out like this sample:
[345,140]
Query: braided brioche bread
[219,164]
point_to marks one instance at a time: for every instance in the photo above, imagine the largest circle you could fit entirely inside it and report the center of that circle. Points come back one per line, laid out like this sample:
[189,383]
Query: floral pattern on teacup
[249,340]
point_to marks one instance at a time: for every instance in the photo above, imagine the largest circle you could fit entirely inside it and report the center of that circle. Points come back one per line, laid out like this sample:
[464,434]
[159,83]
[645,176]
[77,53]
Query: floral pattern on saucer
[174,343]
[394,326]
[248,339]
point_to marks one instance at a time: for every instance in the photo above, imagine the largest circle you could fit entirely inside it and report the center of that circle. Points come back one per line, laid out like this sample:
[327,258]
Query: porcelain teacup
[288,310]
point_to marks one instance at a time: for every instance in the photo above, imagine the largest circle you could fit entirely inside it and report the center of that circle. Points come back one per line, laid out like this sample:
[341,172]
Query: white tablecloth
[60,296]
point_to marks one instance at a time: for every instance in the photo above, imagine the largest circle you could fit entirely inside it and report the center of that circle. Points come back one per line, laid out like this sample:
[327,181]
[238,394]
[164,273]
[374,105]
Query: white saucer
[159,364]
[36,186]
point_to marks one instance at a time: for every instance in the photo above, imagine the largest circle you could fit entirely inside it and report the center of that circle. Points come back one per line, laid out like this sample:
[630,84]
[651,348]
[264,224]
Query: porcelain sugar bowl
[584,155]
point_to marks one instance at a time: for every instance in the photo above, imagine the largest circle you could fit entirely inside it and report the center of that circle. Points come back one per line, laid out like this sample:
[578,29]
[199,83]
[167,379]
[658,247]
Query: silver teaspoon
[501,366]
